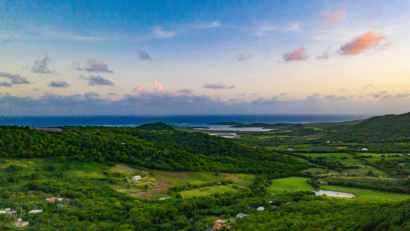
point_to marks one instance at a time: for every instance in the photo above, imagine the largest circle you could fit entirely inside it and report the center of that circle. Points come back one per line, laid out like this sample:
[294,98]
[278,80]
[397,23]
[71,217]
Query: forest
[156,149]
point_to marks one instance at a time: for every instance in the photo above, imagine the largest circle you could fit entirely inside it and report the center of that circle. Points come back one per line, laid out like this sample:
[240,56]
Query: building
[365,149]
[274,206]
[136,177]
[219,224]
[261,209]
[241,215]
[9,212]
[20,223]
[36,211]
[53,199]
[287,203]
[60,205]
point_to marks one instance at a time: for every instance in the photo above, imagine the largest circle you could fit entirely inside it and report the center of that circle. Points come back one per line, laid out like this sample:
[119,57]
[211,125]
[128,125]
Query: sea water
[180,120]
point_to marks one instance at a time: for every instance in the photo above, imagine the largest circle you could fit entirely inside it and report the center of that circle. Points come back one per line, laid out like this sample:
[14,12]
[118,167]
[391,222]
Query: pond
[230,128]
[333,194]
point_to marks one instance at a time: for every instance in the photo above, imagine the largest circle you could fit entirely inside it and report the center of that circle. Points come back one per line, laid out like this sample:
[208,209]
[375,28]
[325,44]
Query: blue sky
[204,57]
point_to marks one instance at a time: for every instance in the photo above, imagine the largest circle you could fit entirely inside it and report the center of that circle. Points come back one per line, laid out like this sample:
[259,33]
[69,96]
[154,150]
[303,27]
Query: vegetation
[380,128]
[366,195]
[190,179]
[385,185]
[165,150]
[330,214]
[156,126]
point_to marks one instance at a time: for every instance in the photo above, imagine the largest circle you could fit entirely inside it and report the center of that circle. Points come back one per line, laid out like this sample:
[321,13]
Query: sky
[204,57]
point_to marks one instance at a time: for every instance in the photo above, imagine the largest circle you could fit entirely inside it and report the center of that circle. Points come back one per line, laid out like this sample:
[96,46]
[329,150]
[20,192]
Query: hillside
[164,150]
[388,127]
[156,126]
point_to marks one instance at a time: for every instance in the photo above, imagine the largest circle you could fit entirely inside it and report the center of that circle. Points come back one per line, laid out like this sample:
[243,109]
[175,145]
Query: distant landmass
[156,126]
[378,127]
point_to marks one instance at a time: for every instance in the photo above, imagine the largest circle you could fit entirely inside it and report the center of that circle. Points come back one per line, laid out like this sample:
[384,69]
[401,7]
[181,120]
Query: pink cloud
[140,88]
[363,42]
[143,88]
[330,17]
[298,54]
[159,86]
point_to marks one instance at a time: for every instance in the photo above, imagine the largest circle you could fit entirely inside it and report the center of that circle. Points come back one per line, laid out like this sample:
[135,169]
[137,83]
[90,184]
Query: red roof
[217,225]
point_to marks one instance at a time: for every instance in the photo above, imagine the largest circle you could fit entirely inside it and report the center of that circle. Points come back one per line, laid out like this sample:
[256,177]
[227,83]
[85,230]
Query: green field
[196,178]
[290,184]
[368,195]
[348,160]
[207,191]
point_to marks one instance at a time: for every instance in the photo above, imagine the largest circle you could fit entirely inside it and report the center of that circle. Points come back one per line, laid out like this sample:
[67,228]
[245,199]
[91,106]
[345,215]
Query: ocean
[181,120]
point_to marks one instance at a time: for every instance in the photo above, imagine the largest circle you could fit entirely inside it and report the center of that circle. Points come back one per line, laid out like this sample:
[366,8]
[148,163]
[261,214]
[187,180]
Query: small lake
[230,128]
[333,194]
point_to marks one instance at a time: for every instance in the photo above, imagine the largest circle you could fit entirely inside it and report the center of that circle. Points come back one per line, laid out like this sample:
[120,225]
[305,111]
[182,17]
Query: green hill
[388,127]
[165,150]
[156,126]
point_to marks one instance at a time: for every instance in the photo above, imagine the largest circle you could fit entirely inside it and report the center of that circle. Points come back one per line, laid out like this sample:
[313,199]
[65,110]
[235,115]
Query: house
[53,199]
[36,211]
[219,224]
[328,142]
[287,203]
[136,177]
[241,215]
[260,208]
[365,150]
[20,223]
[60,205]
[274,206]
[9,212]
[408,154]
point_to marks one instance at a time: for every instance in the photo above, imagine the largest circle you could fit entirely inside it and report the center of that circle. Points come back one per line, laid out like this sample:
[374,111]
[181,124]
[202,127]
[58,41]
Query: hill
[164,150]
[388,127]
[156,126]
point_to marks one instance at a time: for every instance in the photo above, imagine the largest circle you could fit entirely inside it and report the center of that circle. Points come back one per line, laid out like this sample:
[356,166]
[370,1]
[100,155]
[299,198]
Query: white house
[36,211]
[241,215]
[136,177]
[260,209]
[365,149]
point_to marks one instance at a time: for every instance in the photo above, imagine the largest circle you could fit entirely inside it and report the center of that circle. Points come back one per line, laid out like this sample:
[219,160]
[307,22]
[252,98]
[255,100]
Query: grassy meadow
[290,184]
[368,195]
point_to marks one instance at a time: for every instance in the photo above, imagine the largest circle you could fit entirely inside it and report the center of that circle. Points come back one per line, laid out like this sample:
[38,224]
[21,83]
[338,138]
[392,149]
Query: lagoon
[230,128]
[333,194]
